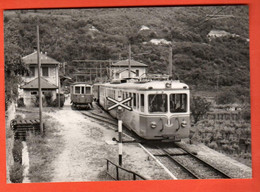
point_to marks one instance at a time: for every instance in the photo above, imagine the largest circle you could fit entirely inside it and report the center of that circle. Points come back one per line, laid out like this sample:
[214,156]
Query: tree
[199,107]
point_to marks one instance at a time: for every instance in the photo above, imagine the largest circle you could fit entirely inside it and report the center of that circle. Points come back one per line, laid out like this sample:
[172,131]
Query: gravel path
[83,148]
[87,144]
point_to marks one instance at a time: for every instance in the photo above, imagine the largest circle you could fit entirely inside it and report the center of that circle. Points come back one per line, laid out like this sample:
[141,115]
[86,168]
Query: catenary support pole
[129,60]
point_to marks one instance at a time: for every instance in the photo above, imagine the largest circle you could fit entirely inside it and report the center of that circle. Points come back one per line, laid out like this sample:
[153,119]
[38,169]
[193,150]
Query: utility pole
[100,71]
[39,79]
[170,62]
[129,60]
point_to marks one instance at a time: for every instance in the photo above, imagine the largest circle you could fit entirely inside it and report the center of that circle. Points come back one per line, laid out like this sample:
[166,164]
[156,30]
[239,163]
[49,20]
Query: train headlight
[168,85]
[183,124]
[153,125]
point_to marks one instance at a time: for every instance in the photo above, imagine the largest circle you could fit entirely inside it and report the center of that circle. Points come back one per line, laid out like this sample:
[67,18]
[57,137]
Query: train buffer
[23,126]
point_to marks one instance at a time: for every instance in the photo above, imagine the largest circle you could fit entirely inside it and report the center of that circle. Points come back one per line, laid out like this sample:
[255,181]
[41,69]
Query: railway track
[175,158]
[185,164]
[103,117]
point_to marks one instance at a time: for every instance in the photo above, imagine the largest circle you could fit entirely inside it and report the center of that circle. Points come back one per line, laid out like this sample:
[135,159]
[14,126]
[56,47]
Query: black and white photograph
[129,93]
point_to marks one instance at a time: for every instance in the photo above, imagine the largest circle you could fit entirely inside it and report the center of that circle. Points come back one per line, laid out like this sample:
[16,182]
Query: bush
[226,97]
[16,173]
[199,107]
[62,101]
[20,102]
[246,114]
[48,98]
[17,151]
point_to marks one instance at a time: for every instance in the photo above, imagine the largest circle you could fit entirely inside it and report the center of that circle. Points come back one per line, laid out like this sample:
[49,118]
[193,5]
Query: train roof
[149,85]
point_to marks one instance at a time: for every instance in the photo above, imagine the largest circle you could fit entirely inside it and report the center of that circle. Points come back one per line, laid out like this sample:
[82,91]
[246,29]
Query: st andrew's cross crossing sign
[119,103]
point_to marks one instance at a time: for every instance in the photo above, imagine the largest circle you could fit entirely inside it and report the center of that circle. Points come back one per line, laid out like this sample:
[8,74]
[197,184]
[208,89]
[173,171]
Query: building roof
[32,59]
[33,84]
[124,63]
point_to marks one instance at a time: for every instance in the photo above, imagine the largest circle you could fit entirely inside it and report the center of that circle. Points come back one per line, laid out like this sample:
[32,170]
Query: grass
[42,152]
[225,137]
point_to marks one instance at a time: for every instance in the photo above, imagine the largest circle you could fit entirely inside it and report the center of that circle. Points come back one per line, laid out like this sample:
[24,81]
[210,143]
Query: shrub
[16,173]
[246,114]
[17,151]
[199,107]
[20,102]
[226,97]
[48,98]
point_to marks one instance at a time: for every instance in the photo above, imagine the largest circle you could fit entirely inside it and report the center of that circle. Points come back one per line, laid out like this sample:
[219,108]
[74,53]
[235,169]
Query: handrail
[135,175]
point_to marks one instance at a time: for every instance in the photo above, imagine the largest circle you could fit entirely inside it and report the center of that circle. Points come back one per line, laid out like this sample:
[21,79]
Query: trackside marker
[119,104]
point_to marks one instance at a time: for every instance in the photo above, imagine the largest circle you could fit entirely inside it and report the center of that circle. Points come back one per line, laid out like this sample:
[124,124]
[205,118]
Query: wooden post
[39,79]
[59,86]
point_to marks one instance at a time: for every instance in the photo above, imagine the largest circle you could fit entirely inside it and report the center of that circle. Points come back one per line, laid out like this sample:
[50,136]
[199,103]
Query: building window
[45,71]
[31,72]
[34,93]
[137,73]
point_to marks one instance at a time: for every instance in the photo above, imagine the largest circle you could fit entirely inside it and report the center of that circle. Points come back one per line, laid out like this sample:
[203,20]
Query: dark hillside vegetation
[76,34]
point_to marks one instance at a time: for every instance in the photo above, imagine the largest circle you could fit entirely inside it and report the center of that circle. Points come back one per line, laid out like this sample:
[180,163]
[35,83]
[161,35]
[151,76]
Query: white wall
[124,74]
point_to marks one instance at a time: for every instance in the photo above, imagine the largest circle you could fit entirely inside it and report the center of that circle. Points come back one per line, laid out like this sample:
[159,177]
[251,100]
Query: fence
[235,116]
[121,173]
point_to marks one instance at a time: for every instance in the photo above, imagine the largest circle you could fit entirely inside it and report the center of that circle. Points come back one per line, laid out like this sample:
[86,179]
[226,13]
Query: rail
[117,169]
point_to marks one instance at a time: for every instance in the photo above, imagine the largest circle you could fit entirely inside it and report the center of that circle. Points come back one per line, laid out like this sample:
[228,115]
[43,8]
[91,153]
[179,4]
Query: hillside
[203,62]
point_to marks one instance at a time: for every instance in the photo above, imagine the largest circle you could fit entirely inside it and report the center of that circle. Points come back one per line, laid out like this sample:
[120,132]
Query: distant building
[49,78]
[220,33]
[120,70]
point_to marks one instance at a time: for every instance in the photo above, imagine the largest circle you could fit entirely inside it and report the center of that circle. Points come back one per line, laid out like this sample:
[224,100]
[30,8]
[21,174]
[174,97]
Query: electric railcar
[161,109]
[81,95]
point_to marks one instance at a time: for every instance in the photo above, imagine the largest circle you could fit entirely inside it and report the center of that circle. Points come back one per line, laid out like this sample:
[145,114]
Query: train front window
[157,103]
[77,90]
[178,103]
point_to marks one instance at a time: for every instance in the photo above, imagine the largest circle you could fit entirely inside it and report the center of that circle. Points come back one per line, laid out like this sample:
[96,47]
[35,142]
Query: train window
[178,103]
[157,103]
[88,90]
[77,90]
[137,101]
[126,95]
[134,100]
[142,103]
[130,102]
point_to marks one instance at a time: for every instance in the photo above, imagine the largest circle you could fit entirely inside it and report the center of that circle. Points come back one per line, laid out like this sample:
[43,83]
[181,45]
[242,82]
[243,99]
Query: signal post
[119,104]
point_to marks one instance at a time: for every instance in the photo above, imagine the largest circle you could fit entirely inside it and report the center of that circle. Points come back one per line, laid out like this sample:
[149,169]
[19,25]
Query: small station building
[120,69]
[28,89]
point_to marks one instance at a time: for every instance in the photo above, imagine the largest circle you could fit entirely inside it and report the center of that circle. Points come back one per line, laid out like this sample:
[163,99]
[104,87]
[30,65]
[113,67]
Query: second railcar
[81,95]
